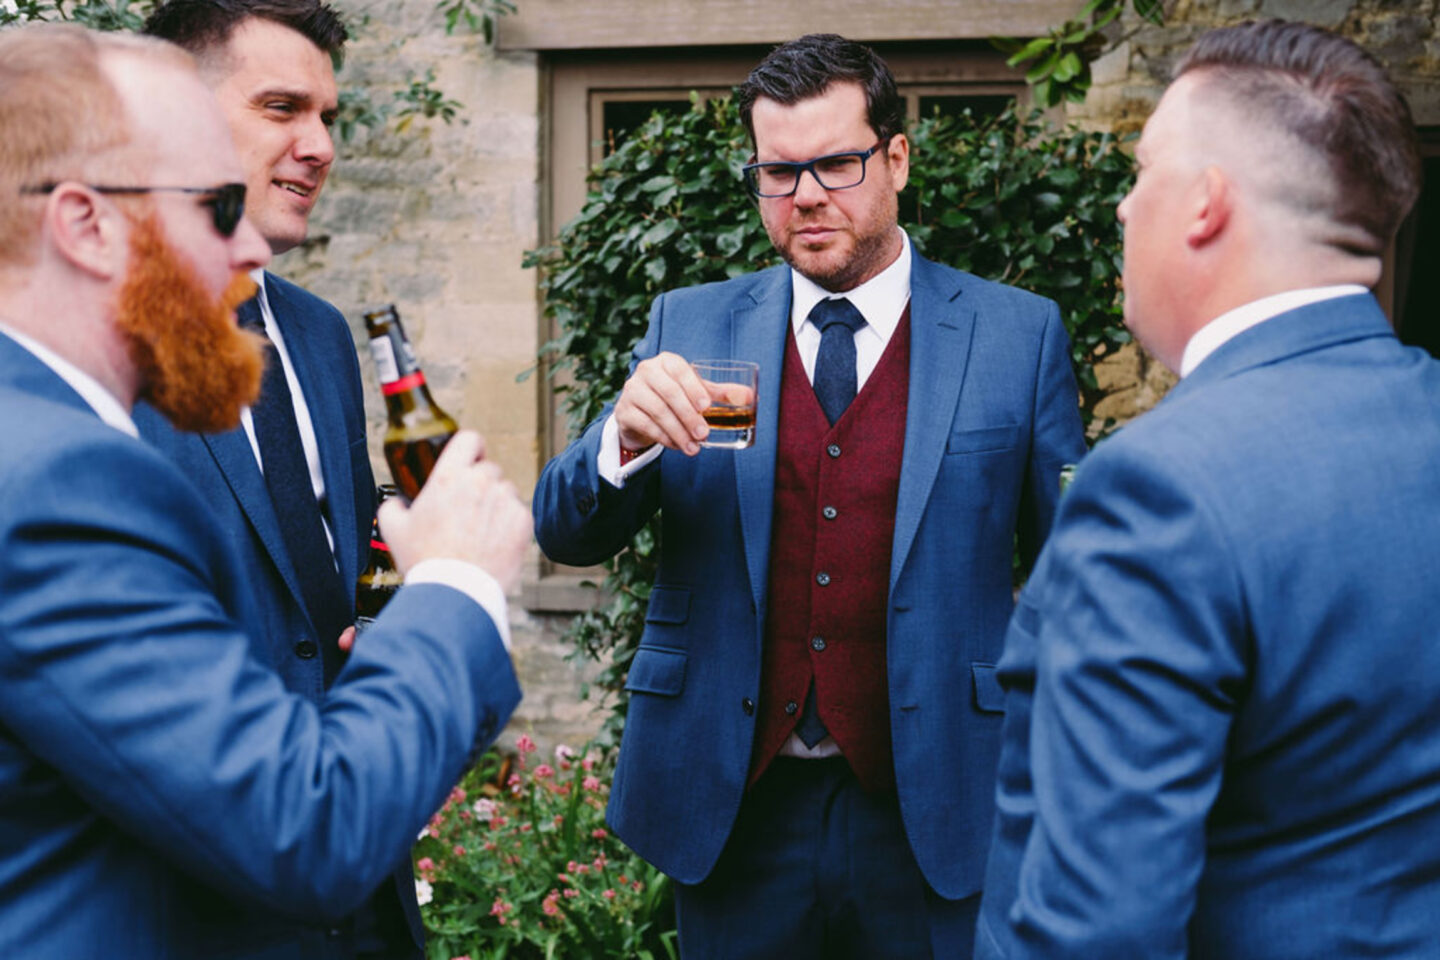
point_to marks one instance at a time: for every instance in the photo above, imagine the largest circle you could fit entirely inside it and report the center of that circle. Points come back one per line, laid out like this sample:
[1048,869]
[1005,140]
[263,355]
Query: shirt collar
[881,300]
[1225,327]
[105,404]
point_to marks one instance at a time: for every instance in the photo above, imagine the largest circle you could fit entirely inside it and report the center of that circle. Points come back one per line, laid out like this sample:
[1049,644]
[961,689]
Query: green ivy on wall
[1009,198]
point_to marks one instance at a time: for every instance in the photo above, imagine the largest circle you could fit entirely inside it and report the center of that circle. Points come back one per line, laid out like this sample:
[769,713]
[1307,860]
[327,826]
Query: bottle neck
[401,379]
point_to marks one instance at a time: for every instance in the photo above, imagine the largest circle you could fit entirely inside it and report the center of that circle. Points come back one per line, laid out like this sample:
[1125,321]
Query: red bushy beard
[196,365]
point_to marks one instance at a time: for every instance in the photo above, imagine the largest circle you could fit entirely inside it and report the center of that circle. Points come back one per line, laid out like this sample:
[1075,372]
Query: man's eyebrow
[282,93]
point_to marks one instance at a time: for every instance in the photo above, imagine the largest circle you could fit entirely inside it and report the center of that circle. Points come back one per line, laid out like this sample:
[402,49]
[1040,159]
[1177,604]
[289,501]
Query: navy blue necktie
[835,386]
[287,477]
[835,377]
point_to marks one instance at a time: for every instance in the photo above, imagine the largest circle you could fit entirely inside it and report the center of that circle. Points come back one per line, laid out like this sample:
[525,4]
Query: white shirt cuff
[608,462]
[471,581]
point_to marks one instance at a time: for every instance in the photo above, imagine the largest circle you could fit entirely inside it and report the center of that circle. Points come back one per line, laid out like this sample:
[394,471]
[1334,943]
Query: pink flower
[458,795]
[526,827]
[591,783]
[524,744]
[559,819]
[600,862]
[608,894]
[464,957]
[425,865]
[563,753]
[551,903]
[599,833]
[570,893]
[637,886]
[484,808]
[544,771]
[459,850]
[588,763]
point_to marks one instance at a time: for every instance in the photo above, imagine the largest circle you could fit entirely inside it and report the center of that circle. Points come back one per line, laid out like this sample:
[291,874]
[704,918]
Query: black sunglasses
[226,202]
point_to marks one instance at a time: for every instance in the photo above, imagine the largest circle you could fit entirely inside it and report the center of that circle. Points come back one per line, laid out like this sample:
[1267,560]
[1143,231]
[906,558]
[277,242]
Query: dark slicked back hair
[806,68]
[203,27]
[1328,93]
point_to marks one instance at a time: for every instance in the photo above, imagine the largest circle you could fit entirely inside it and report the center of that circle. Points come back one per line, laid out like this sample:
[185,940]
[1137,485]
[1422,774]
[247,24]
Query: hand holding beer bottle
[417,428]
[468,511]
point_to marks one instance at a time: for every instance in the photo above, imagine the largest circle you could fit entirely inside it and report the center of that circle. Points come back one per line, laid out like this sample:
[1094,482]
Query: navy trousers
[817,869]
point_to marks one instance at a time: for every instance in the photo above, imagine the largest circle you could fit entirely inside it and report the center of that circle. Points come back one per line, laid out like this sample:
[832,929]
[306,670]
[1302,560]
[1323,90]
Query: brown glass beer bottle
[418,429]
[379,580]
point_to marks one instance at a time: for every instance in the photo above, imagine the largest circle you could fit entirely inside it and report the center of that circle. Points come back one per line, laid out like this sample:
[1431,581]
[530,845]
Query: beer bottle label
[384,355]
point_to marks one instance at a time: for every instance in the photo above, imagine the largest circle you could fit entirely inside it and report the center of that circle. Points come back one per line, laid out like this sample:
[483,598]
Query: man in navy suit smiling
[293,486]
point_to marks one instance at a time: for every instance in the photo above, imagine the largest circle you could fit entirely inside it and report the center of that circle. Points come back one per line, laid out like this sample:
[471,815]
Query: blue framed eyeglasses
[833,171]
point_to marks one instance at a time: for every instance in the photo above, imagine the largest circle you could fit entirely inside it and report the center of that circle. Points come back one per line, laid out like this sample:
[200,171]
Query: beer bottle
[418,429]
[379,580]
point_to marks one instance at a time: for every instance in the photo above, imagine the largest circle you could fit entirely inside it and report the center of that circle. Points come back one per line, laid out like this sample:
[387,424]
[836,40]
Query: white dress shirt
[1230,324]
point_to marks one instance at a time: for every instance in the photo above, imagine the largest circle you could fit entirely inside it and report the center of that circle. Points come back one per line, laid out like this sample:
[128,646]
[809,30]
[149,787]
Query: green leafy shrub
[518,864]
[1008,198]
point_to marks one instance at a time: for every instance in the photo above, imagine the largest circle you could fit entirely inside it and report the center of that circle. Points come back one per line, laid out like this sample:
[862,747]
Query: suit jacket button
[748,706]
[833,450]
[830,513]
[822,578]
[790,707]
[306,650]
[817,644]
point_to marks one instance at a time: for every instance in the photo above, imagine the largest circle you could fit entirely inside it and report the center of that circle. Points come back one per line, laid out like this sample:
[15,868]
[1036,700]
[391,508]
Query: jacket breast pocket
[657,671]
[983,439]
[668,605]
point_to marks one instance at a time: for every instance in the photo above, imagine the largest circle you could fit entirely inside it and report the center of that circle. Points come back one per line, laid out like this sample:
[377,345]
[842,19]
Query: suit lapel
[757,332]
[940,332]
[328,420]
[236,459]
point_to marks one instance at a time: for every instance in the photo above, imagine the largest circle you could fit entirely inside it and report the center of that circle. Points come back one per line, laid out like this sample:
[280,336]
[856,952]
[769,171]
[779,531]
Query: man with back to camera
[1220,736]
[293,486]
[813,722]
[161,793]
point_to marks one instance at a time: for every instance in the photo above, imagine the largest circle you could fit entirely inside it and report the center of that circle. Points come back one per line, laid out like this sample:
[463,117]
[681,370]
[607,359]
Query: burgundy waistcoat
[835,495]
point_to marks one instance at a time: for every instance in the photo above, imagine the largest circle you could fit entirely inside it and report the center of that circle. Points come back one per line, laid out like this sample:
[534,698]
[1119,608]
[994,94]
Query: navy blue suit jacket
[992,416]
[159,786]
[1222,737]
[222,466]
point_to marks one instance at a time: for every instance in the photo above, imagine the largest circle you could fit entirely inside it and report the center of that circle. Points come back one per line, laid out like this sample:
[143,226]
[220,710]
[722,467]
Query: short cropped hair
[204,26]
[1328,93]
[60,118]
[806,68]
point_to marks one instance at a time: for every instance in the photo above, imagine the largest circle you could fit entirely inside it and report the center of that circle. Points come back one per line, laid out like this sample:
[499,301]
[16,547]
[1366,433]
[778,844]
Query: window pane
[981,105]
[1419,313]
[623,116]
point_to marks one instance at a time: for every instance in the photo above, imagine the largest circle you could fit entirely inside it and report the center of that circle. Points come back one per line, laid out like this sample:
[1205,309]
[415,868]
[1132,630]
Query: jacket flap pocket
[989,695]
[657,671]
[1002,437]
[668,605]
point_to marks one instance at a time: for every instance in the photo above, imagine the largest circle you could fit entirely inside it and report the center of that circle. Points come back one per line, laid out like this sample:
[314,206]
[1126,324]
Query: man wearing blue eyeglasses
[812,734]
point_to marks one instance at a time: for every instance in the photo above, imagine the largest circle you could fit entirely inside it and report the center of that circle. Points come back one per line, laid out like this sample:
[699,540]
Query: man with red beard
[160,789]
[292,486]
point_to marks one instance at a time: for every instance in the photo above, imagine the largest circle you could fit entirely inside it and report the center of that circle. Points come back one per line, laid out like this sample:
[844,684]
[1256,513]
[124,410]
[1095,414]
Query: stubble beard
[870,254]
[196,366]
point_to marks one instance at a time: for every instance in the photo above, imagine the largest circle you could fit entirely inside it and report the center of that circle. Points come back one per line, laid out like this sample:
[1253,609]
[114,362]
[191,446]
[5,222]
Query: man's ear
[1214,197]
[87,230]
[898,151]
